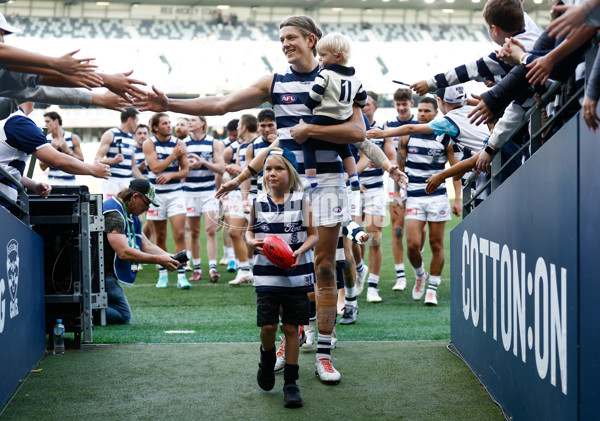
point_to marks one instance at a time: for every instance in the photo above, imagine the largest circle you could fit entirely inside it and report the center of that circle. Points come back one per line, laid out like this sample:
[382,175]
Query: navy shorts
[295,308]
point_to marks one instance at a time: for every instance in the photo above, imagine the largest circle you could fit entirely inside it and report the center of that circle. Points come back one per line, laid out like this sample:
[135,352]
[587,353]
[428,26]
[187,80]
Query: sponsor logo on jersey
[288,98]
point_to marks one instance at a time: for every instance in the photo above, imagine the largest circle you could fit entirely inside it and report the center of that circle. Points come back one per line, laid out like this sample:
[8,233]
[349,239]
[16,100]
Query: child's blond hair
[335,43]
[295,183]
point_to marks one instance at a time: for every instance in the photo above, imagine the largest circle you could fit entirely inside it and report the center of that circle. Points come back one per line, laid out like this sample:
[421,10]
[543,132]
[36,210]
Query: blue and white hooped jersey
[202,179]
[124,144]
[426,156]
[289,93]
[55,172]
[19,138]
[397,123]
[372,178]
[139,158]
[163,150]
[256,182]
[286,222]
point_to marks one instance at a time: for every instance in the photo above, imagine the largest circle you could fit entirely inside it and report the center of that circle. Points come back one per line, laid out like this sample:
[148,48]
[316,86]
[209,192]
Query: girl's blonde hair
[295,183]
[335,43]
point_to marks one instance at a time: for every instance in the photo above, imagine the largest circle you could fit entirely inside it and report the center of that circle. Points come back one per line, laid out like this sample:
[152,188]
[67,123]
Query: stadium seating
[200,57]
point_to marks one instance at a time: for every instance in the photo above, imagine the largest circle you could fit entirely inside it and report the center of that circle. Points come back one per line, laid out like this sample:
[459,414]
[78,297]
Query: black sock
[290,373]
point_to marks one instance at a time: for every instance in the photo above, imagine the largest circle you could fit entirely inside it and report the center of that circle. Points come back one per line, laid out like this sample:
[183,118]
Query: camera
[181,257]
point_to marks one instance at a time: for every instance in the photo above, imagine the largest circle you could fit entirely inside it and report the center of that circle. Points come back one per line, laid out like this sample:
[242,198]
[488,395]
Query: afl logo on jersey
[288,98]
[412,149]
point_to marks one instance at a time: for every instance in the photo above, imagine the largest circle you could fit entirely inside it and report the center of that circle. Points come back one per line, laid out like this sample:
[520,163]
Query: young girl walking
[282,210]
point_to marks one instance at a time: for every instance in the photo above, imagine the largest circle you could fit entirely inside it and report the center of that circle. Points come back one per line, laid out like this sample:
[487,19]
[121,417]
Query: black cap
[143,186]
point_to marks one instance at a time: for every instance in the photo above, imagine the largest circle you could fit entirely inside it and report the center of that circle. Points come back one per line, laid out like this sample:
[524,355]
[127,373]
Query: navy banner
[22,330]
[515,285]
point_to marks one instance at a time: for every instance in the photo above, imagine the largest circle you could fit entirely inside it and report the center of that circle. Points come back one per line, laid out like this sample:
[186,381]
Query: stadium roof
[308,5]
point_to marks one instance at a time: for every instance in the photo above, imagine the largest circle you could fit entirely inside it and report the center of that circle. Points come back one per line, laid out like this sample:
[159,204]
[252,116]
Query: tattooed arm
[378,157]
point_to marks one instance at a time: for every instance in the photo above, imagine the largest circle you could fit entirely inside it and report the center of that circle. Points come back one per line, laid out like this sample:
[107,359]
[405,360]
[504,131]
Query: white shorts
[437,210]
[402,195]
[330,205]
[201,203]
[113,186]
[354,199]
[235,206]
[171,204]
[373,202]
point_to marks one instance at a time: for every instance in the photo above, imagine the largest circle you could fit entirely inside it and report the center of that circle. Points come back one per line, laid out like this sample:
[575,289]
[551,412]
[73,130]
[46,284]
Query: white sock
[373,280]
[350,296]
[434,281]
[420,271]
[400,270]
[230,253]
[197,264]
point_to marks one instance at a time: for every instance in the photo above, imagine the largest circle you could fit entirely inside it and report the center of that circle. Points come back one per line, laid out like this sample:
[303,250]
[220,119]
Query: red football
[278,252]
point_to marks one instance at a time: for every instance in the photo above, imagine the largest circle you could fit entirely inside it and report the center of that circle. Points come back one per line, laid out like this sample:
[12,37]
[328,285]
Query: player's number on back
[345,91]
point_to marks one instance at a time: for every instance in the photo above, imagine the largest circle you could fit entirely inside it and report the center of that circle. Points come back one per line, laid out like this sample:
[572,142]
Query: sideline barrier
[22,318]
[524,298]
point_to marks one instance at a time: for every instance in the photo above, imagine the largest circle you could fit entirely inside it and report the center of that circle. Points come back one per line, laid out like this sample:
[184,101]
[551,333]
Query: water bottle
[59,338]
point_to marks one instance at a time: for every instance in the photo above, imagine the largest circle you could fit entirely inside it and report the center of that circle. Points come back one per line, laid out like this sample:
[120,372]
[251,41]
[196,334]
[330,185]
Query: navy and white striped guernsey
[372,178]
[139,158]
[256,182]
[124,144]
[240,156]
[55,172]
[397,123]
[289,93]
[163,150]
[285,221]
[202,179]
[426,156]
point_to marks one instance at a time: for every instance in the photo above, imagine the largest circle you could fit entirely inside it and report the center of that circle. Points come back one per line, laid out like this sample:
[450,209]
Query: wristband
[252,171]
[490,151]
[524,57]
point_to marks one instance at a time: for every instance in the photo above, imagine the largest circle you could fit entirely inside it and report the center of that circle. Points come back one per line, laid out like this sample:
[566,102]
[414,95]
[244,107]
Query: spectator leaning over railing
[20,138]
[587,12]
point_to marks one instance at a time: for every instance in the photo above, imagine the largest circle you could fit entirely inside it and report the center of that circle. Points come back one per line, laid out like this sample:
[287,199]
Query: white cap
[453,94]
[4,25]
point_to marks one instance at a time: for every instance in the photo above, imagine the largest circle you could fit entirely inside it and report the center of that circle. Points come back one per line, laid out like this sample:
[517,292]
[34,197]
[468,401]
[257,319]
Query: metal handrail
[23,204]
[497,166]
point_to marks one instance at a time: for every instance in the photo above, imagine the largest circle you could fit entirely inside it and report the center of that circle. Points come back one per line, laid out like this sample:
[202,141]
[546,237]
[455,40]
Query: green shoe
[183,283]
[163,281]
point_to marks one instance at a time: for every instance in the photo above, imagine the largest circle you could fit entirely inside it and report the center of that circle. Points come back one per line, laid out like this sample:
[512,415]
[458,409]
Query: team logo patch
[337,209]
[412,211]
[288,98]
[12,271]
[412,149]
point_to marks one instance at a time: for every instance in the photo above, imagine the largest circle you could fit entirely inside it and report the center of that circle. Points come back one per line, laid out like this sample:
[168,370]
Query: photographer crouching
[126,247]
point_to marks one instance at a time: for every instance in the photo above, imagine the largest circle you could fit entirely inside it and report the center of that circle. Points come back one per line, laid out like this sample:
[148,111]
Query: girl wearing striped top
[282,210]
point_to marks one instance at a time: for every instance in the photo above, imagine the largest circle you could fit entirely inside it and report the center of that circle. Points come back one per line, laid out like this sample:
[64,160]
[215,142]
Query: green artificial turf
[380,381]
[222,313]
[392,366]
